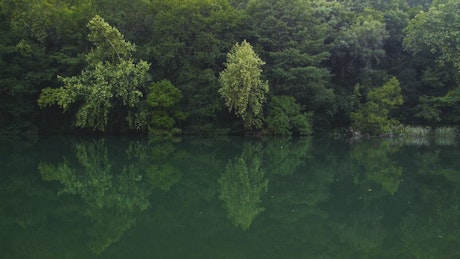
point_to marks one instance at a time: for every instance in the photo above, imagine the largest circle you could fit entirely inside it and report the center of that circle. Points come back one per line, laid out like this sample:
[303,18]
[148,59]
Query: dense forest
[228,66]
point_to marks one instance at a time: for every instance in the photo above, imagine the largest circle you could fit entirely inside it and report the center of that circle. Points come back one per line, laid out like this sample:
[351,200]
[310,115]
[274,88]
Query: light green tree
[374,116]
[241,85]
[110,81]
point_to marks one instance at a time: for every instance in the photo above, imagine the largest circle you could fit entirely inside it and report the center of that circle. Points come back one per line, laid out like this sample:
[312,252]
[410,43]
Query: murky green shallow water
[229,197]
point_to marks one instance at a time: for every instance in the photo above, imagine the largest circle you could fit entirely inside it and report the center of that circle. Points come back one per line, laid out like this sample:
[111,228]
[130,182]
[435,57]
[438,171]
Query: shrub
[285,117]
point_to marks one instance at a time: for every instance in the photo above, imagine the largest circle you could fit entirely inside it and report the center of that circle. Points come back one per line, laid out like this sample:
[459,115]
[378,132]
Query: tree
[241,85]
[374,116]
[435,33]
[110,81]
[285,117]
[163,98]
[433,39]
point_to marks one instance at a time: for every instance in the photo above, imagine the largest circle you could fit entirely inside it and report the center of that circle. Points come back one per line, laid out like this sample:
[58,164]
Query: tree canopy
[110,76]
[96,60]
[242,87]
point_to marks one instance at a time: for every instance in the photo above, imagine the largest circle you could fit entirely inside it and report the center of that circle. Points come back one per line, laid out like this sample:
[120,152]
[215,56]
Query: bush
[373,116]
[285,117]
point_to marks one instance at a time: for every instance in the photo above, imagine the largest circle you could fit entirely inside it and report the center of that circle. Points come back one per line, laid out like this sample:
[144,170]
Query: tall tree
[242,87]
[110,81]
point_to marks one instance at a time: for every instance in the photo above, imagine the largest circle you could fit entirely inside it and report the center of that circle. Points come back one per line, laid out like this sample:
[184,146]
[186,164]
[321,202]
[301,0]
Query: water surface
[229,197]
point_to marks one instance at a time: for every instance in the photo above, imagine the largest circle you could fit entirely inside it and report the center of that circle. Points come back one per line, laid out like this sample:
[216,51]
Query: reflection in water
[242,185]
[121,198]
[437,140]
[445,140]
[284,155]
[378,164]
[113,197]
[157,159]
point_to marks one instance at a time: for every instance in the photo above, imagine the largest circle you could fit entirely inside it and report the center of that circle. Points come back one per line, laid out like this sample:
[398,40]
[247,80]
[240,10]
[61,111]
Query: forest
[271,67]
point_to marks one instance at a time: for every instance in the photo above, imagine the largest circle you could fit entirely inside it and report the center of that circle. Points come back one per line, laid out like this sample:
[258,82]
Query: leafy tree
[110,81]
[242,87]
[443,109]
[163,98]
[433,39]
[435,33]
[285,117]
[374,116]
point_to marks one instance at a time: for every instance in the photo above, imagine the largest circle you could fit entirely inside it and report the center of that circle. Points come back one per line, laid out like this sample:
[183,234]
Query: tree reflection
[241,186]
[377,163]
[114,194]
[326,199]
[284,155]
[431,228]
[158,160]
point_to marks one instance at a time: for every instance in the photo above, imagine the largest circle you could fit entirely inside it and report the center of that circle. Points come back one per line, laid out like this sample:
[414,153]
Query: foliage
[292,37]
[362,42]
[440,109]
[432,36]
[163,98]
[39,39]
[435,33]
[111,76]
[285,117]
[374,116]
[314,51]
[241,85]
[187,46]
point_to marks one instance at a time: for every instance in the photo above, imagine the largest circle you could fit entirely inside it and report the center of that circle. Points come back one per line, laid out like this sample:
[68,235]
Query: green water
[229,197]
